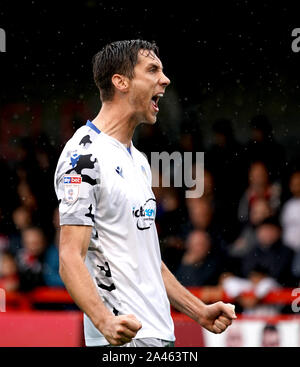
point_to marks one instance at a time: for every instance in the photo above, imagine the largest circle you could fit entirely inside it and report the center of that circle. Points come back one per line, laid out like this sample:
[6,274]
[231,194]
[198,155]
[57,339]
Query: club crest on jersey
[71,187]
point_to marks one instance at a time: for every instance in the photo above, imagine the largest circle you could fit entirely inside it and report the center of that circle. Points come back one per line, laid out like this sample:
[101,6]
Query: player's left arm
[215,317]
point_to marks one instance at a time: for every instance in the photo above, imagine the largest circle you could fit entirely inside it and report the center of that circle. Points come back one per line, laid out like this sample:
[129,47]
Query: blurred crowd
[242,234]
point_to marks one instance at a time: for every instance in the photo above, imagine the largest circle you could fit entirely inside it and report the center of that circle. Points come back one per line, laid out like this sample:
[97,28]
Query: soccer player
[109,251]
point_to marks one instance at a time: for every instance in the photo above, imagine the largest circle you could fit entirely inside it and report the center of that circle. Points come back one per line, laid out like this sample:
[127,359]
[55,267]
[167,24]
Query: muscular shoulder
[78,189]
[75,153]
[80,141]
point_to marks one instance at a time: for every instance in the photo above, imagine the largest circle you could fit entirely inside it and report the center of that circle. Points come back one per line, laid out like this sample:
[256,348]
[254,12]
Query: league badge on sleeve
[71,187]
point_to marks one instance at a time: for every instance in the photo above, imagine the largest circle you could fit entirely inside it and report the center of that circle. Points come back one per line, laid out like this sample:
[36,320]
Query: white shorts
[146,342]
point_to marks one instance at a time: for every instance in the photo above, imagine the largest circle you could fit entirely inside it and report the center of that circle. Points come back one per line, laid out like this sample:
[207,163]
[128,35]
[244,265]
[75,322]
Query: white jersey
[77,145]
[80,141]
[109,188]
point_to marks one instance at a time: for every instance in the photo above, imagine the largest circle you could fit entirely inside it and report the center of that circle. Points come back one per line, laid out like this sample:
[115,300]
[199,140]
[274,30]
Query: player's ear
[120,82]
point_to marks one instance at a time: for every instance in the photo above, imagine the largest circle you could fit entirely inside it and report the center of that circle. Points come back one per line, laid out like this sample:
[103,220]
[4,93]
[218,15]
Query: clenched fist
[217,317]
[119,330]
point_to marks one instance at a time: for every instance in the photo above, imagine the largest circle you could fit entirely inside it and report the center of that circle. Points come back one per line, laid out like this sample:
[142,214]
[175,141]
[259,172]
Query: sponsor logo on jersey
[72,179]
[71,187]
[145,214]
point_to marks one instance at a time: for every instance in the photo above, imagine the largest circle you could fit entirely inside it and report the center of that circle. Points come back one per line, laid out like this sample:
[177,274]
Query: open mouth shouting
[155,100]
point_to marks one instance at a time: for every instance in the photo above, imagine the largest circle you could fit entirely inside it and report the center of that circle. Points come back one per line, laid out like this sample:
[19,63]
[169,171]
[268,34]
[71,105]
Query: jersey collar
[92,126]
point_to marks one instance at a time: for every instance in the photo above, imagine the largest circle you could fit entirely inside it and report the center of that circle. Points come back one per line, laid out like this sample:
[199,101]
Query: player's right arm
[77,184]
[74,242]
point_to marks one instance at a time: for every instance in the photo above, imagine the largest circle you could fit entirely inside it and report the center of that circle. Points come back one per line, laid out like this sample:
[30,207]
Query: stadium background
[227,62]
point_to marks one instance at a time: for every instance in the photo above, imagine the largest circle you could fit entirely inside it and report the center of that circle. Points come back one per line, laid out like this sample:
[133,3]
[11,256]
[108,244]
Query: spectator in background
[200,214]
[34,167]
[259,187]
[209,187]
[22,219]
[290,220]
[51,260]
[172,212]
[9,277]
[171,216]
[290,215]
[259,211]
[28,201]
[199,266]
[26,197]
[7,197]
[270,253]
[26,165]
[46,159]
[190,139]
[201,217]
[26,177]
[262,285]
[225,160]
[264,148]
[208,184]
[258,284]
[4,239]
[270,336]
[30,258]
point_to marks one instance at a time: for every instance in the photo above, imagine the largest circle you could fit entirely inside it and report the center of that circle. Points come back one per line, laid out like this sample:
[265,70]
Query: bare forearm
[81,287]
[215,317]
[180,298]
[73,247]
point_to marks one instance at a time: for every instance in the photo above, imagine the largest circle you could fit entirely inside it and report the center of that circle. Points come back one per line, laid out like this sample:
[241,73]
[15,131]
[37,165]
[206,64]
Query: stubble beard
[142,112]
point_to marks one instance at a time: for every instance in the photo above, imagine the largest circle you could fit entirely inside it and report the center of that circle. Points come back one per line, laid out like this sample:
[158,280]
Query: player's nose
[164,80]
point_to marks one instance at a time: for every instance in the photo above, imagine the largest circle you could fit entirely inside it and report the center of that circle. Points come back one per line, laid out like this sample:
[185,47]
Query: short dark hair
[270,327]
[272,220]
[117,57]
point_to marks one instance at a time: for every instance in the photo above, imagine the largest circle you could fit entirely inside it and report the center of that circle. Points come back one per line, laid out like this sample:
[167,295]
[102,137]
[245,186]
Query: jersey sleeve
[78,190]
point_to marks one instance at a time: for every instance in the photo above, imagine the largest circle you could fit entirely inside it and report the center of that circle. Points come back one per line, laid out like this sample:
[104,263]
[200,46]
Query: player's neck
[114,121]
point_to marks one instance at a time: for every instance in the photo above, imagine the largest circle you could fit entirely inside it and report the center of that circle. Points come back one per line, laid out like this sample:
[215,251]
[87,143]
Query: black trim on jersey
[107,273]
[85,140]
[89,214]
[84,162]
